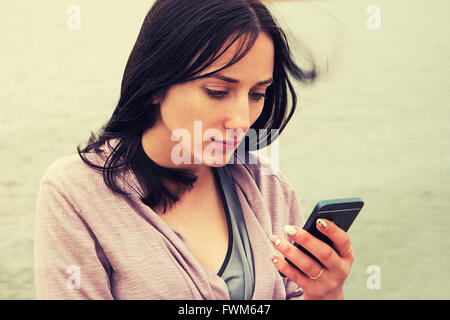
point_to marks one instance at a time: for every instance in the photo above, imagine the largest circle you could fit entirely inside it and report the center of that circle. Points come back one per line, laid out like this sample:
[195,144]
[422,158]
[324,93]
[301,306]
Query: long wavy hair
[178,39]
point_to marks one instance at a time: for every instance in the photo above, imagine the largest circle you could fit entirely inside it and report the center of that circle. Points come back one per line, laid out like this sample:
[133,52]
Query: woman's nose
[239,116]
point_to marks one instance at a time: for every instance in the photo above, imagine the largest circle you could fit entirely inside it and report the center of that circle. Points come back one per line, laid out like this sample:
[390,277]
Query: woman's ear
[158,97]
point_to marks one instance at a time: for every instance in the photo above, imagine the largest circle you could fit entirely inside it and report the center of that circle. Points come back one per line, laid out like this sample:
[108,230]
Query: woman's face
[221,107]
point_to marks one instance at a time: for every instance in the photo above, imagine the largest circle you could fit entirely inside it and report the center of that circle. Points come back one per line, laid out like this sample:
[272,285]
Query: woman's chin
[217,160]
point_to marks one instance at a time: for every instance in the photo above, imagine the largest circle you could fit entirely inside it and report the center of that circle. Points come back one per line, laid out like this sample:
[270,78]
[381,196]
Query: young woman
[162,205]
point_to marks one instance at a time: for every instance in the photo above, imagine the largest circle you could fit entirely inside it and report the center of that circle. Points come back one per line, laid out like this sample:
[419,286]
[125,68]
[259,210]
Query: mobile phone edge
[311,221]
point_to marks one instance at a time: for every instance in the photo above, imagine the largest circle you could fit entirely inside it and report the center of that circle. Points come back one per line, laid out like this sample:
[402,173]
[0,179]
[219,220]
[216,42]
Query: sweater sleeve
[296,217]
[69,263]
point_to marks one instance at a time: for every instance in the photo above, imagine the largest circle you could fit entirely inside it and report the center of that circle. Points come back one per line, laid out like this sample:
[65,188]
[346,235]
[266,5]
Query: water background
[376,125]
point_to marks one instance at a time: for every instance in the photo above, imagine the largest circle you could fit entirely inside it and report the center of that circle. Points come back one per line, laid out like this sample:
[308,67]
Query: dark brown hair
[178,39]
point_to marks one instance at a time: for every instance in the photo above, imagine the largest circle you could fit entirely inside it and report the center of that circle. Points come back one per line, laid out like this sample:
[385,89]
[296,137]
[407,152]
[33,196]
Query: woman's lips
[227,144]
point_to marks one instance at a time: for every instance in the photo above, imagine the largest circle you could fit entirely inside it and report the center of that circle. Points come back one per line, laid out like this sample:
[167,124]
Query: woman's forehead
[258,62]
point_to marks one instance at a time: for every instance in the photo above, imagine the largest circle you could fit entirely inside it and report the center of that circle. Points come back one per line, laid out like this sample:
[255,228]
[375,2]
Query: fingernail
[275,260]
[275,240]
[290,230]
[321,223]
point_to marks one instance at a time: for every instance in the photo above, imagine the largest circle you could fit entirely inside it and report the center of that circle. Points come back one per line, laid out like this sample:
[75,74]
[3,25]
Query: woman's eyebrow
[231,80]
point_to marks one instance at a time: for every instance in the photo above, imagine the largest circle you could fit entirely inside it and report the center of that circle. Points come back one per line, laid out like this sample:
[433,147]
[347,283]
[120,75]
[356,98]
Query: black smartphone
[341,211]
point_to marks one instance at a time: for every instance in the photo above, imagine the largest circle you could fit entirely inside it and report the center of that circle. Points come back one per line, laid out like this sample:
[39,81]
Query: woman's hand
[318,281]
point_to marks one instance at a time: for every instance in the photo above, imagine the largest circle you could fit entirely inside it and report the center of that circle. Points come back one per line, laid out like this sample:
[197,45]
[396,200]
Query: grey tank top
[237,269]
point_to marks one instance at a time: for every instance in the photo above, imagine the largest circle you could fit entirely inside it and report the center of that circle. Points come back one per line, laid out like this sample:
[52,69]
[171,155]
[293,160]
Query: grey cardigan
[91,243]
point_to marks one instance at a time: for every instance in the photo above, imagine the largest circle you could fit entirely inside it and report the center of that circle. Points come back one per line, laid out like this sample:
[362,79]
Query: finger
[341,241]
[289,271]
[302,261]
[322,251]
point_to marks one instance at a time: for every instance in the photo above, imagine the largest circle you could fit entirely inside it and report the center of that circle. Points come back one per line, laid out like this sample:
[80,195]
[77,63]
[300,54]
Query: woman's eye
[257,96]
[216,94]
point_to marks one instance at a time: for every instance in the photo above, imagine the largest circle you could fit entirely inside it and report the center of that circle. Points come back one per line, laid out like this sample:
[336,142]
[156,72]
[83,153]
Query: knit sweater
[91,243]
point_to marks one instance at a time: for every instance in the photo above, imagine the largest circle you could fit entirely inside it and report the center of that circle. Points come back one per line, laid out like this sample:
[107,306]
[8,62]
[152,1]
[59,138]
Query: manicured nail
[290,230]
[275,260]
[275,240]
[321,223]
